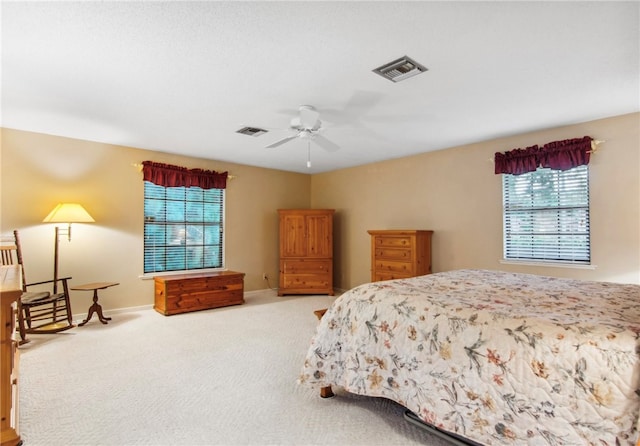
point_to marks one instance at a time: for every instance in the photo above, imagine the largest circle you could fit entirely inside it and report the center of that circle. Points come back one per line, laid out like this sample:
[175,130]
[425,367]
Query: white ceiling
[182,77]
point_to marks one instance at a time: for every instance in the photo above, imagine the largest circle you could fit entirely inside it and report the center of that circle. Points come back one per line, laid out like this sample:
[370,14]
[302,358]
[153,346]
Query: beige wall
[455,193]
[38,171]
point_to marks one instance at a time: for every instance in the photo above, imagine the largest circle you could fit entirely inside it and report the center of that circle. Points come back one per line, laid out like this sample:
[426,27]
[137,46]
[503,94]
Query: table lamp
[65,213]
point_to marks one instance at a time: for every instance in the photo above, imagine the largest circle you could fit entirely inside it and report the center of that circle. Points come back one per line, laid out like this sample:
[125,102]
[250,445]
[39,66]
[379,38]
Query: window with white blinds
[546,216]
[183,228]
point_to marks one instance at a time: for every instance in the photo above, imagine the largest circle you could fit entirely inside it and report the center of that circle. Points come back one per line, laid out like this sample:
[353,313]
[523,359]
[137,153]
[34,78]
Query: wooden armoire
[306,251]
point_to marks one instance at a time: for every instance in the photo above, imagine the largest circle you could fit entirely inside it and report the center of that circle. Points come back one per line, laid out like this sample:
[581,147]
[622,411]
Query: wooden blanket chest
[182,293]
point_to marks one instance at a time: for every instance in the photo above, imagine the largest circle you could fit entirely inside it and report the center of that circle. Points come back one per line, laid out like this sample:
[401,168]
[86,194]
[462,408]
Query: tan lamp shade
[68,213]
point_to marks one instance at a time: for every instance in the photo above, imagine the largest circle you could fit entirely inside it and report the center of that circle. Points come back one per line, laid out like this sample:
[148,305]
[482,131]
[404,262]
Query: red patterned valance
[175,176]
[557,155]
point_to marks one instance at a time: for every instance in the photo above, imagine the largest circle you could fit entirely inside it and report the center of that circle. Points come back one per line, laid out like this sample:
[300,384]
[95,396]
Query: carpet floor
[217,377]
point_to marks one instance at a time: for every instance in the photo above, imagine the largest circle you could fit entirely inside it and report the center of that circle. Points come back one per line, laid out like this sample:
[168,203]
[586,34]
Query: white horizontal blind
[546,216]
[183,228]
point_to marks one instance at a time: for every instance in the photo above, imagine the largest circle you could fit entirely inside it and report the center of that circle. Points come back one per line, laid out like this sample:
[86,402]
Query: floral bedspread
[498,358]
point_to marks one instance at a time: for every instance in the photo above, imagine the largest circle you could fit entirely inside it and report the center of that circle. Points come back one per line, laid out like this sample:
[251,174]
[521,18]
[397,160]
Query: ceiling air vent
[400,69]
[251,131]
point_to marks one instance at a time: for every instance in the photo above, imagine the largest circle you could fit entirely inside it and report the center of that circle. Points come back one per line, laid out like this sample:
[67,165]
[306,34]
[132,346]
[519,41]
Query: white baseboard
[79,317]
[269,291]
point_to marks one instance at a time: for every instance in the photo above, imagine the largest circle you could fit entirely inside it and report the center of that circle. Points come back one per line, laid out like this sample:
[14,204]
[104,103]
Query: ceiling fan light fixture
[251,131]
[400,69]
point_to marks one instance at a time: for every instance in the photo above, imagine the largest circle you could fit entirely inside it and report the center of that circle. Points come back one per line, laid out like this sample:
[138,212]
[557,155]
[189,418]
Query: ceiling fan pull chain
[308,154]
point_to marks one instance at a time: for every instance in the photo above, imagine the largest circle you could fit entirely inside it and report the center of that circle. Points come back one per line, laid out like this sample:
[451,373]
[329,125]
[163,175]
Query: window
[183,228]
[546,216]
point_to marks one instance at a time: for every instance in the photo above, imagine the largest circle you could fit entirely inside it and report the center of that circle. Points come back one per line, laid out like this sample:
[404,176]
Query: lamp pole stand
[55,262]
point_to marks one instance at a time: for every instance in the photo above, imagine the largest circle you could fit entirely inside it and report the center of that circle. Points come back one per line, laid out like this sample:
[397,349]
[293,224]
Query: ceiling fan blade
[282,141]
[309,116]
[327,145]
[359,104]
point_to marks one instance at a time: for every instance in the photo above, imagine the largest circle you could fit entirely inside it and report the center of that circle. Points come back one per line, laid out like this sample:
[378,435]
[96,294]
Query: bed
[490,356]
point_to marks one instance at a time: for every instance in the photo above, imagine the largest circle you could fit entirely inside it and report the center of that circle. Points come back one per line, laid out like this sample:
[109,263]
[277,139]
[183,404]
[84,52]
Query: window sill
[547,264]
[150,276]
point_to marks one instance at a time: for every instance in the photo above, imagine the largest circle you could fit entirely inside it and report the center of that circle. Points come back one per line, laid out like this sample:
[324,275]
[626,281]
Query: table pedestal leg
[95,308]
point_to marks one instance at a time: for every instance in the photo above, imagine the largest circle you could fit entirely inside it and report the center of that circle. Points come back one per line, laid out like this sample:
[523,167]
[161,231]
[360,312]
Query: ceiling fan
[307,125]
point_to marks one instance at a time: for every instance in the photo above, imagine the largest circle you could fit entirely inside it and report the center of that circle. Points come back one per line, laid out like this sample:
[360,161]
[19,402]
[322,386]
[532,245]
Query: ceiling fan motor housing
[299,125]
[308,119]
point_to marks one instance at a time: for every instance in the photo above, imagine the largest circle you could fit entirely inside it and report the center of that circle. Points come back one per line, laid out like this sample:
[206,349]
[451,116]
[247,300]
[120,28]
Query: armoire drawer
[307,281]
[304,266]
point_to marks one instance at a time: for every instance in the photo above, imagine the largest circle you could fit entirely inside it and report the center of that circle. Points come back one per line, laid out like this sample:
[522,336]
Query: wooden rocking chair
[38,311]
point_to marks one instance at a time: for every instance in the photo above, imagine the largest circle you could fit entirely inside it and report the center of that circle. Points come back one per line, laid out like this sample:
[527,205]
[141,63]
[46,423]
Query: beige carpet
[217,377]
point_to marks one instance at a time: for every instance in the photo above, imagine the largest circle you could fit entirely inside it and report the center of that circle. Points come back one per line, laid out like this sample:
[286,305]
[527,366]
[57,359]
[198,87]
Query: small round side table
[96,307]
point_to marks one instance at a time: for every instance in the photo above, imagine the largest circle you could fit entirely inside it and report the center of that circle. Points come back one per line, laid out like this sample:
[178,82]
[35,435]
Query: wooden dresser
[10,291]
[306,251]
[398,254]
[182,293]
